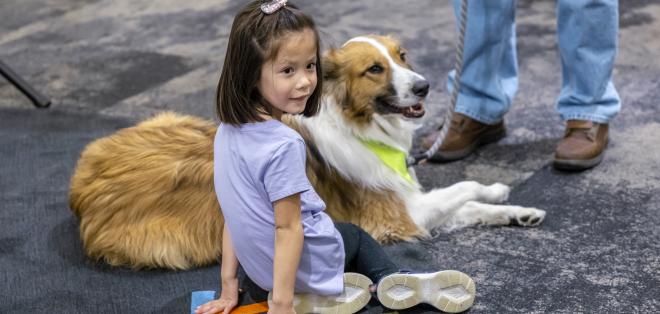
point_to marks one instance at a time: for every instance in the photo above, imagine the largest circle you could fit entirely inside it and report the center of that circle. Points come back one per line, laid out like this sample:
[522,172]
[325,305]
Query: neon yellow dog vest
[390,156]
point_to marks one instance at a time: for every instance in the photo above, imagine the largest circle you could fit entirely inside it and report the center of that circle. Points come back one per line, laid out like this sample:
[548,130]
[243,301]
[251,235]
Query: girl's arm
[288,248]
[229,262]
[229,293]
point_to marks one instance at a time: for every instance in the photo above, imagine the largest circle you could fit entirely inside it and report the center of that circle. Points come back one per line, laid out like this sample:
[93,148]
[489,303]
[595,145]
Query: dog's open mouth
[414,111]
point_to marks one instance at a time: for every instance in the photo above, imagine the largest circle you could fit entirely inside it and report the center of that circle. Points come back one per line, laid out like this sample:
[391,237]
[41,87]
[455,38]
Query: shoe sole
[354,297]
[485,139]
[578,164]
[448,290]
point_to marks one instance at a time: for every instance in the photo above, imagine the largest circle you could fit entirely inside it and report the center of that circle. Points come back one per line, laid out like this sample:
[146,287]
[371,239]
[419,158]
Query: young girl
[275,224]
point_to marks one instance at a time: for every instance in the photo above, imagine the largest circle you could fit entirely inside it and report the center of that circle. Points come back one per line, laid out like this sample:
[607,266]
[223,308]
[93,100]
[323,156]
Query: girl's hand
[281,309]
[227,301]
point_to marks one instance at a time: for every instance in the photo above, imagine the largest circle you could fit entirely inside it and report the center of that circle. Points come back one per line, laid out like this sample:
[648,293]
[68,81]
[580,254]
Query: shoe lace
[457,124]
[588,133]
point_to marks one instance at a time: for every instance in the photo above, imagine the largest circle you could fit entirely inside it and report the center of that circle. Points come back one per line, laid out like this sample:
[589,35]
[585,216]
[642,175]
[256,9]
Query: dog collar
[390,156]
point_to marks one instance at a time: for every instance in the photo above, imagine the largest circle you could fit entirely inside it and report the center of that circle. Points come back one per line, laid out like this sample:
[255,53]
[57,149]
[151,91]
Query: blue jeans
[587,31]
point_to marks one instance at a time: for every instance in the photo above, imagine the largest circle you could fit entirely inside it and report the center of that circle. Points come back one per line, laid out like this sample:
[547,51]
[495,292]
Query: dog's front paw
[527,217]
[497,193]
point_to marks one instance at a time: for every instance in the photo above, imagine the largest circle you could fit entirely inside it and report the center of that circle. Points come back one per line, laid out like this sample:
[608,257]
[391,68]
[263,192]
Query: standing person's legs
[489,78]
[587,32]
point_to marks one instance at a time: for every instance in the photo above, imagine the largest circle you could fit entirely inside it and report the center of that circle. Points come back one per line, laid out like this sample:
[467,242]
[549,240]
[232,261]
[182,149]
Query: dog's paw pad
[532,217]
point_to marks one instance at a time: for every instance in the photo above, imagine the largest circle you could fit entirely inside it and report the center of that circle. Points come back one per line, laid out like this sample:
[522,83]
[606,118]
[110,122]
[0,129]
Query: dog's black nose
[421,88]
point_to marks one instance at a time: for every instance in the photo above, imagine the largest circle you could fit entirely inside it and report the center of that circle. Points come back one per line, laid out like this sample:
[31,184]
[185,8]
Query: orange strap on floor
[251,309]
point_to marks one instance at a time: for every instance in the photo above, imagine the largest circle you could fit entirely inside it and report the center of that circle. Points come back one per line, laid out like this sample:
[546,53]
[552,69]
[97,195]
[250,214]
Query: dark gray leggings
[363,255]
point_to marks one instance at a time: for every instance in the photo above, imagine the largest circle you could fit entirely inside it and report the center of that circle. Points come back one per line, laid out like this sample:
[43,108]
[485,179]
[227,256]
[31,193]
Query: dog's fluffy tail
[145,198]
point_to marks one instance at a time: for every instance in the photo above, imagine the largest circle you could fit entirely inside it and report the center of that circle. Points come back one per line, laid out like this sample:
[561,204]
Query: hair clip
[272,6]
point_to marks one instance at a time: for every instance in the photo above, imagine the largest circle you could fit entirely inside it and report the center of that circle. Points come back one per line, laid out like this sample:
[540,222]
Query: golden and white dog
[144,195]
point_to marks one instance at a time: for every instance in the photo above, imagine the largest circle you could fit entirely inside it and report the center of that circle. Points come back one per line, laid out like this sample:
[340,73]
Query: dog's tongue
[415,111]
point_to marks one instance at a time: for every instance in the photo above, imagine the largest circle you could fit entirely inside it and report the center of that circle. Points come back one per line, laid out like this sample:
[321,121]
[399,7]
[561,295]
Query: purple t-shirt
[255,165]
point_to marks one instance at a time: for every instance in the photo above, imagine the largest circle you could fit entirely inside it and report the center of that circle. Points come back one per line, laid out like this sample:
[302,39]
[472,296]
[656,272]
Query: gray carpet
[106,64]
[43,267]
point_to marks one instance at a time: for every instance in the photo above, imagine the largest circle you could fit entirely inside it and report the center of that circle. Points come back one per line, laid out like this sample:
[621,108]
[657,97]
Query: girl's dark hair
[252,42]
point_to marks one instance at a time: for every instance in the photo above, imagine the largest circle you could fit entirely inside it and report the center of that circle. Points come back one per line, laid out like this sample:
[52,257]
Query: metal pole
[37,98]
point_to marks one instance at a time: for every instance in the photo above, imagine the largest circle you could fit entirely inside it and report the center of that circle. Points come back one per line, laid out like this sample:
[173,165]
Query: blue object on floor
[200,297]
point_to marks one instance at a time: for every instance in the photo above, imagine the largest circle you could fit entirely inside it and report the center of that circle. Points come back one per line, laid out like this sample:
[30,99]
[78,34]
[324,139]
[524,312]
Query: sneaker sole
[448,290]
[354,297]
[485,139]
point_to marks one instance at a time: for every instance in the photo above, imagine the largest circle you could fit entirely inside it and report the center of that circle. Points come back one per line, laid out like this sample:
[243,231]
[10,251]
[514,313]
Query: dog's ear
[330,65]
[333,82]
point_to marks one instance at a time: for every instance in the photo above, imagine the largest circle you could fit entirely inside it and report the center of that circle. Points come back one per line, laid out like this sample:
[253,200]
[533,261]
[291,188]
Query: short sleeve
[285,173]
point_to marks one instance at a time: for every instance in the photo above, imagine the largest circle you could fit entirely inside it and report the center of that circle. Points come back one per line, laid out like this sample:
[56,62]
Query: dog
[144,196]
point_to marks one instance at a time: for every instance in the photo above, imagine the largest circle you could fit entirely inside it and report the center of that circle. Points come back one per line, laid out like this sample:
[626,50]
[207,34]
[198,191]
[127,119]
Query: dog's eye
[375,69]
[403,56]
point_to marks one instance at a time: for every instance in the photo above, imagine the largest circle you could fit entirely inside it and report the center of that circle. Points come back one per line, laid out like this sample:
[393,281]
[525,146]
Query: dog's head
[370,75]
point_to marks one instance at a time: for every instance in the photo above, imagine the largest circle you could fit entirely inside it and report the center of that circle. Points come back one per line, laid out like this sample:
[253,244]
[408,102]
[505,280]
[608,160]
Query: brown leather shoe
[582,147]
[464,136]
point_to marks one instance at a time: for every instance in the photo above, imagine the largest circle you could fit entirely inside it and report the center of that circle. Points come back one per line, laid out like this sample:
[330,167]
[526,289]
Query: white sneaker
[448,290]
[355,296]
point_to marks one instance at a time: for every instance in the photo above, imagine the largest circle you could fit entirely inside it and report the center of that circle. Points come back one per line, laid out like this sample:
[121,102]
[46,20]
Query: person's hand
[275,308]
[227,301]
